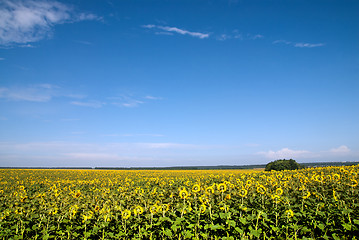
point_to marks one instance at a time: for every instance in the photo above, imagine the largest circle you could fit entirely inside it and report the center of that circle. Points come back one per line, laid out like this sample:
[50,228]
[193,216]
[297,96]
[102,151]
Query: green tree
[283,164]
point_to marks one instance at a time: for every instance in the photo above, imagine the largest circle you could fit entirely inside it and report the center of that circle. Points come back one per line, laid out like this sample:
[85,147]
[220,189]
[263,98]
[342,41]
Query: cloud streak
[92,104]
[34,93]
[299,44]
[341,149]
[285,153]
[167,29]
[23,22]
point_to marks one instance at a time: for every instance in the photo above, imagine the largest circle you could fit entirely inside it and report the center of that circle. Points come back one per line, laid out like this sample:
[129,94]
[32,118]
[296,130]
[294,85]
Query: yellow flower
[196,188]
[138,210]
[96,208]
[183,194]
[228,197]
[202,208]
[334,196]
[222,187]
[289,213]
[163,208]
[354,183]
[275,197]
[209,190]
[306,196]
[77,194]
[126,214]
[279,191]
[87,216]
[261,189]
[153,209]
[243,192]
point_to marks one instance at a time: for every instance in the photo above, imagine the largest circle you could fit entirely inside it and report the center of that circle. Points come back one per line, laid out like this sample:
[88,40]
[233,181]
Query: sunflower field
[316,203]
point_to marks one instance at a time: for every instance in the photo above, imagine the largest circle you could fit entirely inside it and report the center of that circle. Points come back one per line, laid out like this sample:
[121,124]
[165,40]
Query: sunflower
[276,197]
[243,192]
[306,196]
[279,191]
[334,195]
[126,214]
[289,213]
[196,188]
[261,189]
[222,187]
[163,208]
[153,209]
[354,183]
[202,208]
[336,177]
[138,210]
[77,194]
[209,190]
[183,194]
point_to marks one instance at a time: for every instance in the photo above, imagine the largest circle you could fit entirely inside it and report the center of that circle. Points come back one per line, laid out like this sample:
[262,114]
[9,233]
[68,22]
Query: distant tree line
[283,164]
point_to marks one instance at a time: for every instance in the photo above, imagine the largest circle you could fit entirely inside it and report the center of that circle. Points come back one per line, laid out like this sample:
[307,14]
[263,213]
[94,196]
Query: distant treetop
[283,164]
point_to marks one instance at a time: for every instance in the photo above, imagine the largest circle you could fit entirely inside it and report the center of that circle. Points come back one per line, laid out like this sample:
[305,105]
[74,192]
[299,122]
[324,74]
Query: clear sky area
[133,83]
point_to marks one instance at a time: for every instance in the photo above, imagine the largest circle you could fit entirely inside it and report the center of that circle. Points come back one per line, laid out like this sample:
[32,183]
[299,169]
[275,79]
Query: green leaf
[243,220]
[256,233]
[168,232]
[321,226]
[347,226]
[232,223]
[335,237]
[239,230]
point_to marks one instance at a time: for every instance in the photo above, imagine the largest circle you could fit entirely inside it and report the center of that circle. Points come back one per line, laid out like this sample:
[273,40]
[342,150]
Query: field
[320,203]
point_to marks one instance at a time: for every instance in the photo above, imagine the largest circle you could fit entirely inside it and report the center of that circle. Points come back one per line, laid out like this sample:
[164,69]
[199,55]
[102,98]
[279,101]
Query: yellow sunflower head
[222,187]
[196,188]
[183,194]
[138,210]
[126,214]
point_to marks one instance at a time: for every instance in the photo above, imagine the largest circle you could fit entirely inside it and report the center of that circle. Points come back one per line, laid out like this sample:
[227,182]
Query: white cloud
[341,149]
[285,153]
[308,45]
[93,104]
[26,21]
[132,135]
[129,101]
[223,37]
[300,45]
[236,35]
[34,93]
[1,59]
[177,30]
[152,97]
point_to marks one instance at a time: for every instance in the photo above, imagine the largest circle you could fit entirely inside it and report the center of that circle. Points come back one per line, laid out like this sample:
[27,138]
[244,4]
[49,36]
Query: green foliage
[283,164]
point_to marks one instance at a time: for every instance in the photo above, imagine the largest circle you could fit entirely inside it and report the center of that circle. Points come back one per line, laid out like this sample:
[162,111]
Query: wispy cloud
[285,153]
[308,45]
[152,97]
[34,93]
[1,59]
[92,104]
[341,149]
[299,44]
[133,135]
[235,34]
[130,101]
[26,21]
[176,30]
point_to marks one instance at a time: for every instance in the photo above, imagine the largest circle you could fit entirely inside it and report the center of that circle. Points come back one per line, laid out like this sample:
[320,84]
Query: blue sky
[170,83]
